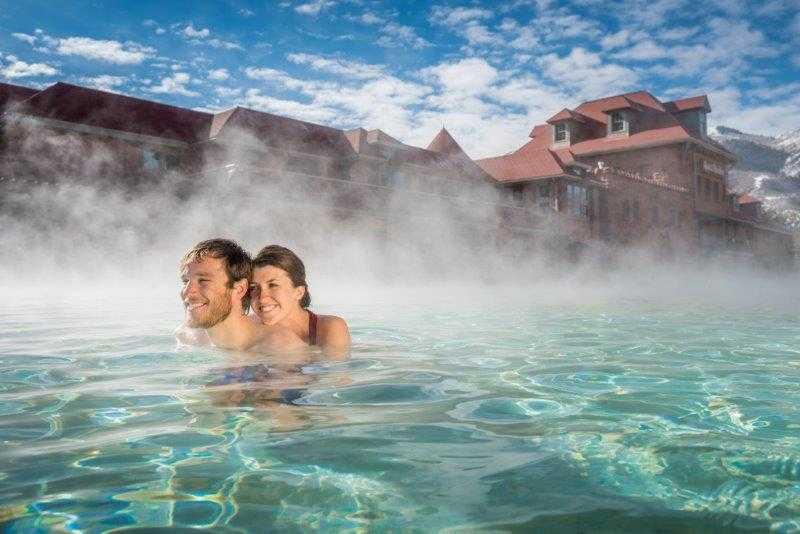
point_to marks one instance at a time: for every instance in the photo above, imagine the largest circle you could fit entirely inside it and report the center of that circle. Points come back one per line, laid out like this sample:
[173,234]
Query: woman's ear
[240,288]
[299,292]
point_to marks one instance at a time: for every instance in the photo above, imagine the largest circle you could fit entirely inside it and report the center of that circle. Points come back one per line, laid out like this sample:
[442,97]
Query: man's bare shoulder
[186,335]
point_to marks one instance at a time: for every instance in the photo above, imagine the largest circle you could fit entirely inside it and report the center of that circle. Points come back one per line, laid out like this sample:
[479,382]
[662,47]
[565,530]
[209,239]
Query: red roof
[281,132]
[747,199]
[90,107]
[655,124]
[444,143]
[566,114]
[12,94]
[686,104]
[528,163]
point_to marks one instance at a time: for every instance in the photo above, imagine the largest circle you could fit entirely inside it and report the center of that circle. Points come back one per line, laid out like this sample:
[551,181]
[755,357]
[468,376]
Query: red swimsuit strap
[312,328]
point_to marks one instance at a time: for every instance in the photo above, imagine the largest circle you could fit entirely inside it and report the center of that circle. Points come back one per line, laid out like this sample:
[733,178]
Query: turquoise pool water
[632,416]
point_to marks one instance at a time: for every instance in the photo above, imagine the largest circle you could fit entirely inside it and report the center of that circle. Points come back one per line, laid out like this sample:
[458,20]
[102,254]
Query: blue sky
[486,71]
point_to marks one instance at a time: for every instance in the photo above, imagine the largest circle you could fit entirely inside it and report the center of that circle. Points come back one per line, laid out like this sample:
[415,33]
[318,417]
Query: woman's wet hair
[288,261]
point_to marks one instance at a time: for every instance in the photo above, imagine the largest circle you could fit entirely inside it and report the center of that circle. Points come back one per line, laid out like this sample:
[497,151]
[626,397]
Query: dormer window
[617,123]
[560,133]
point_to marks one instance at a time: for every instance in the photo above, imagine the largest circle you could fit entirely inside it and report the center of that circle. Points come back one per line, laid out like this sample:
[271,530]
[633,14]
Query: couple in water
[221,283]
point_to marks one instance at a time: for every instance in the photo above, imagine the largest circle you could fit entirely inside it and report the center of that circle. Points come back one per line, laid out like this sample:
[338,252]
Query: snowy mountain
[769,169]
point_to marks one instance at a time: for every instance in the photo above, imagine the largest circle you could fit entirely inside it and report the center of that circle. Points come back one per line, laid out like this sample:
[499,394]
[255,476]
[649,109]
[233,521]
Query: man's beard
[216,311]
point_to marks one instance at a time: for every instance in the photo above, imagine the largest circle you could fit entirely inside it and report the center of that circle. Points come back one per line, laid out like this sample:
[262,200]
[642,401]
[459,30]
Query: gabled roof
[566,114]
[530,162]
[686,104]
[450,158]
[12,94]
[101,109]
[655,125]
[281,132]
[444,143]
[600,108]
[379,136]
[747,199]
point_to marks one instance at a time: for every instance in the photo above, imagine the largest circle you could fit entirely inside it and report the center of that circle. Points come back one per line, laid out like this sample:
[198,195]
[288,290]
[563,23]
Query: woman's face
[273,296]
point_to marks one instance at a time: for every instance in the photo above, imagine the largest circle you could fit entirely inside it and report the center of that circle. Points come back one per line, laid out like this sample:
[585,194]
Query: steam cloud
[76,235]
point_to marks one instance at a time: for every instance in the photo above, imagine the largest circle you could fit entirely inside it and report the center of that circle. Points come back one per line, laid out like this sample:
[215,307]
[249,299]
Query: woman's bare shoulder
[332,323]
[274,339]
[334,336]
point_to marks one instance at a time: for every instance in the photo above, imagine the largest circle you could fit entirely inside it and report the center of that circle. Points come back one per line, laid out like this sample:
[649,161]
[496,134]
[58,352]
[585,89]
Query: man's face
[205,292]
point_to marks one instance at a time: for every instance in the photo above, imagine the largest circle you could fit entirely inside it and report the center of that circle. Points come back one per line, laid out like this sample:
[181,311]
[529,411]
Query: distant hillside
[769,169]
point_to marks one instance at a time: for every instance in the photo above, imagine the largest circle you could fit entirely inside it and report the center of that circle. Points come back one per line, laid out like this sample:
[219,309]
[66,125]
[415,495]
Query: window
[543,196]
[716,191]
[636,210]
[577,200]
[708,188]
[516,195]
[560,132]
[150,160]
[305,165]
[626,210]
[617,122]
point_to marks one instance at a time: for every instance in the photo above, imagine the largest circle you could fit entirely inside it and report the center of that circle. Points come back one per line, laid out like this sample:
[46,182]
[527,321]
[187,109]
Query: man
[215,277]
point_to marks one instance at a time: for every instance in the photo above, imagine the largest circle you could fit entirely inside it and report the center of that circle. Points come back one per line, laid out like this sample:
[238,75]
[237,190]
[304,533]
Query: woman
[279,297]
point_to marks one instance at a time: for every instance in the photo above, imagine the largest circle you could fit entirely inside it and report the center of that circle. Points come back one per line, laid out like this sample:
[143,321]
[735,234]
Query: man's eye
[273,285]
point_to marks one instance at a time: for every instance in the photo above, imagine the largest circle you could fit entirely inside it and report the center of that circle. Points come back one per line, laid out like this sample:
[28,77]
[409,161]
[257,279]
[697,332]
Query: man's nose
[189,289]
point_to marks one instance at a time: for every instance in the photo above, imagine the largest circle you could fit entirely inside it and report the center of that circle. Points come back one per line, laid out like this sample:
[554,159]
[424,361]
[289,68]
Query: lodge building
[615,172]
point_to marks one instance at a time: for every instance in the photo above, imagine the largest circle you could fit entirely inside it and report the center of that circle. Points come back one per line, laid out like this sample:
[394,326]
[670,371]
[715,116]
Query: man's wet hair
[237,262]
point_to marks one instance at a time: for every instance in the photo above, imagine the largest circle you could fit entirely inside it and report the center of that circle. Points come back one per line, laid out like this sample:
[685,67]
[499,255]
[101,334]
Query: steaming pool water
[557,418]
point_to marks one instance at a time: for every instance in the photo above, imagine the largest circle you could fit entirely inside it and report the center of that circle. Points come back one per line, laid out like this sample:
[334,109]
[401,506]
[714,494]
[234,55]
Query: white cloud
[677,33]
[767,118]
[478,34]
[226,45]
[246,12]
[526,39]
[585,72]
[342,67]
[20,69]
[150,23]
[451,16]
[193,33]
[467,76]
[275,76]
[394,34]
[174,85]
[370,18]
[228,92]
[314,7]
[30,39]
[643,51]
[309,112]
[615,40]
[104,82]
[129,53]
[218,74]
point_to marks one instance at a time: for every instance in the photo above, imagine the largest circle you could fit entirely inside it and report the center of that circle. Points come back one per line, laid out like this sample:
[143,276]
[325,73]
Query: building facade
[622,171]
